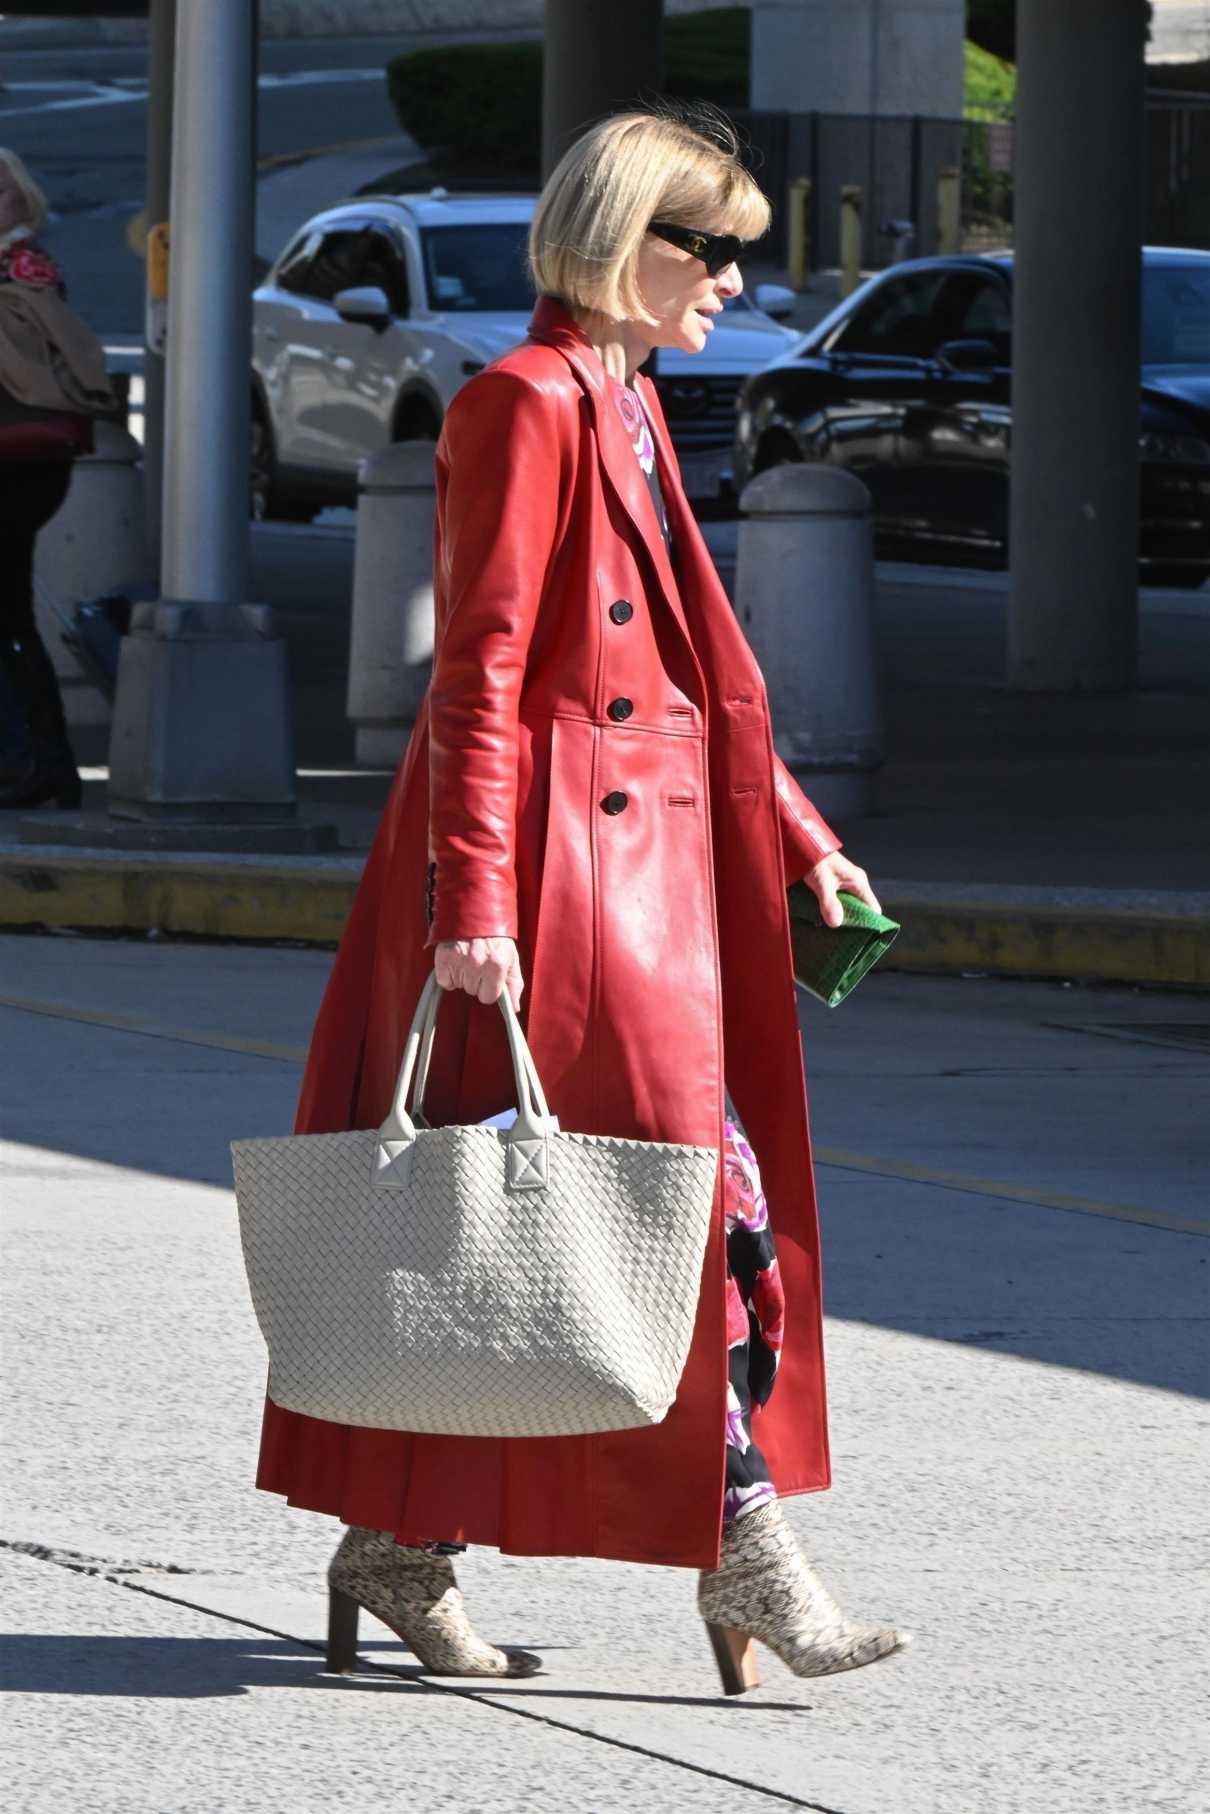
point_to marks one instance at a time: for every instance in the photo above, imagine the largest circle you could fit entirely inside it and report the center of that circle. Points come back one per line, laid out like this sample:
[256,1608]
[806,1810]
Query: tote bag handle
[534,1119]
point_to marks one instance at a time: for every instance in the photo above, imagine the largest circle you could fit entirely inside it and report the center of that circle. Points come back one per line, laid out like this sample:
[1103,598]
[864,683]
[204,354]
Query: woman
[52,378]
[590,812]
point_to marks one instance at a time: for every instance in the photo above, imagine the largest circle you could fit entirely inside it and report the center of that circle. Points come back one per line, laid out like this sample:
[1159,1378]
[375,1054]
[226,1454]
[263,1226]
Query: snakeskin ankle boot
[417,1595]
[763,1589]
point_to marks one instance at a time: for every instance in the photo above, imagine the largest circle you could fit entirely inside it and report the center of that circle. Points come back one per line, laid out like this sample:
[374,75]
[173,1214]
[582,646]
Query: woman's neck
[617,345]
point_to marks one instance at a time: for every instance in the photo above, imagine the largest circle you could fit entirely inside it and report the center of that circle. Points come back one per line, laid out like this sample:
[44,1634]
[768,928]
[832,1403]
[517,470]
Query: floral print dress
[755,1300]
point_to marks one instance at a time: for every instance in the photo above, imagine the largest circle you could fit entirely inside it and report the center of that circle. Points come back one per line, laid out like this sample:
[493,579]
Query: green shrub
[480,105]
[990,85]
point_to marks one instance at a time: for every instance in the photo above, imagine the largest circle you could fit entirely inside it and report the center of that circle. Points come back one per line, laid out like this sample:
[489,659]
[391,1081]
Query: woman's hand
[835,871]
[484,967]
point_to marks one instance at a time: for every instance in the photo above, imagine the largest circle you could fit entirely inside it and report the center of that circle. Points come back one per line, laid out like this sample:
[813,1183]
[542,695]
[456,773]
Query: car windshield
[1176,315]
[478,267]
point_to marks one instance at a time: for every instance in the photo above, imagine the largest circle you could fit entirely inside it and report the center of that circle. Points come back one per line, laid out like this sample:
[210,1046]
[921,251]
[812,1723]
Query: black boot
[49,775]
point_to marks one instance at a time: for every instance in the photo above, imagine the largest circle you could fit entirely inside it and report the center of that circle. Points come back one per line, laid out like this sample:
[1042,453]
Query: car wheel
[776,450]
[416,422]
[267,502]
[1176,576]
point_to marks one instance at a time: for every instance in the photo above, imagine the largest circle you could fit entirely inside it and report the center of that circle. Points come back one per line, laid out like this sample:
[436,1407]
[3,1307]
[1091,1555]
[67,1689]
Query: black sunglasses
[716,250]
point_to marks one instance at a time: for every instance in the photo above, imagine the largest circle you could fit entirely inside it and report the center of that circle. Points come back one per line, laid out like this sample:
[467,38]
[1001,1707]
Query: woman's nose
[730,281]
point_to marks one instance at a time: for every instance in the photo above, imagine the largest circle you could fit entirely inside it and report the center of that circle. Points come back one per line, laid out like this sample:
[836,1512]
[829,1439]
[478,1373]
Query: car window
[336,263]
[382,264]
[478,267]
[295,262]
[894,321]
[1176,315]
[973,307]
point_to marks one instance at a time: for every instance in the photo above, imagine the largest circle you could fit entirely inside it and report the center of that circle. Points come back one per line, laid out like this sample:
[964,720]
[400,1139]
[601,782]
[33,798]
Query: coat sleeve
[498,489]
[806,837]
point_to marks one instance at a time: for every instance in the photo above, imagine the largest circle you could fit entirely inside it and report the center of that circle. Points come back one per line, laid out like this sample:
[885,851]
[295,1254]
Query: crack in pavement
[116,1574]
[91,1565]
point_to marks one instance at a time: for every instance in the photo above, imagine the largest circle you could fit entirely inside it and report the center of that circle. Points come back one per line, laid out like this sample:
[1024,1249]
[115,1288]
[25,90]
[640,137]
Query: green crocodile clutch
[829,961]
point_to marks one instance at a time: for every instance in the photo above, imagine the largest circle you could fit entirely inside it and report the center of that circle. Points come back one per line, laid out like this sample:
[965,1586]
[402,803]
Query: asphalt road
[79,118]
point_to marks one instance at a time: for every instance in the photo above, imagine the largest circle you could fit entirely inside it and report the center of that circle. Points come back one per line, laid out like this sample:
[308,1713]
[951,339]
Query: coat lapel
[554,326]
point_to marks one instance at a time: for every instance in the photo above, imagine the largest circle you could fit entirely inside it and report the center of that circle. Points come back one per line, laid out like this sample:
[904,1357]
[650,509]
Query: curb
[1107,935]
[50,888]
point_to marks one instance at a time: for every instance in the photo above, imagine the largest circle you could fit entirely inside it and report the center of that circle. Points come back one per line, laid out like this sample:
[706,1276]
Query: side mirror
[774,299]
[969,355]
[368,304]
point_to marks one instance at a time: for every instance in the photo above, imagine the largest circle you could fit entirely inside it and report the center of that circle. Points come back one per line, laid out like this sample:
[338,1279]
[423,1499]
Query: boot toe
[522,1662]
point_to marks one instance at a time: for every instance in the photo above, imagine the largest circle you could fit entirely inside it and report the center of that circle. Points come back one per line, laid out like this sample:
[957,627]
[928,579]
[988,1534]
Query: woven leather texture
[421,1288]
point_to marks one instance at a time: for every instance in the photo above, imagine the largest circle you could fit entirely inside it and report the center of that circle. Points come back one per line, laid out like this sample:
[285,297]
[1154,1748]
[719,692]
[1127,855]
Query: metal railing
[898,163]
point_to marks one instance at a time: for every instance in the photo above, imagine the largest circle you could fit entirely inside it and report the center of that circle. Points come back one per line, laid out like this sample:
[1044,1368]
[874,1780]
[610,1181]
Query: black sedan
[907,384]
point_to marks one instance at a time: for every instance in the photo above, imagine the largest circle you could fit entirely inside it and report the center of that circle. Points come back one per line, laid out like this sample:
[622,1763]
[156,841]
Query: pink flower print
[635,421]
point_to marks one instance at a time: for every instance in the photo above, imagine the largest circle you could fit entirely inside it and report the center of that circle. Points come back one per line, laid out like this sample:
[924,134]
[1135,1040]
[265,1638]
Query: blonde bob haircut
[669,163]
[36,206]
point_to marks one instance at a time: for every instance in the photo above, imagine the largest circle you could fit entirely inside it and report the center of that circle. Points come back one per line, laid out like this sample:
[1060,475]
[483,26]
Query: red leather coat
[592,773]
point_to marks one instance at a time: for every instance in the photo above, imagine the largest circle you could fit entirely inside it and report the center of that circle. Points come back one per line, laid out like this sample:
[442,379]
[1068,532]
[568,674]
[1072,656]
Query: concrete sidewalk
[1015,1250]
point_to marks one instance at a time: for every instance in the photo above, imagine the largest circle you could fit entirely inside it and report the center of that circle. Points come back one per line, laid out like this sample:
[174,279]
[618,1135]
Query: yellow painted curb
[308,899]
[213,899]
[1102,943]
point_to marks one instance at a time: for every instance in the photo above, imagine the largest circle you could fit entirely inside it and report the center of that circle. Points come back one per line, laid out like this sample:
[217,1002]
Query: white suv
[379,309]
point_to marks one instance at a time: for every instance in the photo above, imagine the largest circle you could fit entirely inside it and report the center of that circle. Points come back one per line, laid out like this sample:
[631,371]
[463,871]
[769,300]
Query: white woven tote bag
[474,1281]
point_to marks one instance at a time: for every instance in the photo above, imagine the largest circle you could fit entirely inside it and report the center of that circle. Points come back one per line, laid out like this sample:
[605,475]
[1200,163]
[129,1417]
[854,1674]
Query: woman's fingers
[832,874]
[484,967]
[865,893]
[515,982]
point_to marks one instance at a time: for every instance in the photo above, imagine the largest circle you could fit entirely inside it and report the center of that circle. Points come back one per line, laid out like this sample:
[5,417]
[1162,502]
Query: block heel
[343,1612]
[735,1654]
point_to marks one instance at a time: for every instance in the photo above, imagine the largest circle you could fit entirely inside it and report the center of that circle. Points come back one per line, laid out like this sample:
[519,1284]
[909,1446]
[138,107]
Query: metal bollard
[391,646]
[804,594]
[850,238]
[94,544]
[800,232]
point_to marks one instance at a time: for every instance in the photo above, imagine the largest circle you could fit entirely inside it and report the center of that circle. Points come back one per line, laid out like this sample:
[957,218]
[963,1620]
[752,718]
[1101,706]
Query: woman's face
[681,295]
[13,209]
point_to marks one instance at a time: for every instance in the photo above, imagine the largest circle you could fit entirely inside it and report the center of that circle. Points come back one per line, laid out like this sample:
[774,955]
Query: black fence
[897,161]
[1178,170]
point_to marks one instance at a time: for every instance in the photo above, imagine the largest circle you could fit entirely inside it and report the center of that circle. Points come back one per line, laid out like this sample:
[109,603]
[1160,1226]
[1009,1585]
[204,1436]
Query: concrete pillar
[391,644]
[1073,597]
[93,544]
[160,56]
[596,60]
[804,596]
[859,57]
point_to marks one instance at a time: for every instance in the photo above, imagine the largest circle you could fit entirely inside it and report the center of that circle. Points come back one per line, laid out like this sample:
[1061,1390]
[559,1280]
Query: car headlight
[743,426]
[1185,450]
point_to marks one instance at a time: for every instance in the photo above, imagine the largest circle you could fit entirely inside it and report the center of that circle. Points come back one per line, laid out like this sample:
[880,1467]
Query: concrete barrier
[804,594]
[391,639]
